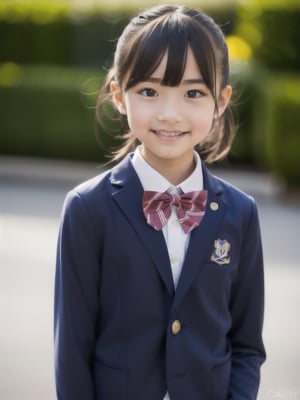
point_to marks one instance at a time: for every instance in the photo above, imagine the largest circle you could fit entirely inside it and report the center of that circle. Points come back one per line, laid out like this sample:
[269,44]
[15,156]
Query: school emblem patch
[221,252]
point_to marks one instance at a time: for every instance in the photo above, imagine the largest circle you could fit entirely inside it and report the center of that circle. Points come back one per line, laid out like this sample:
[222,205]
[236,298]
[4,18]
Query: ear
[224,99]
[117,96]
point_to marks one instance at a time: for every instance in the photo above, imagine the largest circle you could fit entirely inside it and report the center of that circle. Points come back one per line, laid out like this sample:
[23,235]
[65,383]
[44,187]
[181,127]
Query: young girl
[159,281]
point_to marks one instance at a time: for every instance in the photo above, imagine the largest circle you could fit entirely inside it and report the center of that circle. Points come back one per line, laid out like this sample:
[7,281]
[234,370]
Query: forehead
[191,68]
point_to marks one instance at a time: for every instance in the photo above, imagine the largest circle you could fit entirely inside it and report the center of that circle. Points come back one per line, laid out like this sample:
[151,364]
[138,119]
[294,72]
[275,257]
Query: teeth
[169,133]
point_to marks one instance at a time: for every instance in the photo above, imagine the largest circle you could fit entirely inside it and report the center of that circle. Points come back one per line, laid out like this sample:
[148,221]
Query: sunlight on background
[10,73]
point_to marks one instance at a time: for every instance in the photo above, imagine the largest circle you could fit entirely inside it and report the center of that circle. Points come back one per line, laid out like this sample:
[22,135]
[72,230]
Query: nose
[169,111]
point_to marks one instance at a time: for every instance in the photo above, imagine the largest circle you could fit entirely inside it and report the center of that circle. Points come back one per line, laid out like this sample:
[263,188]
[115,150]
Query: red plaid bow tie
[190,208]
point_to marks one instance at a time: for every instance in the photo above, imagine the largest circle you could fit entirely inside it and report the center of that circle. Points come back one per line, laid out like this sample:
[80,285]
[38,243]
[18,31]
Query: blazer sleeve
[247,308]
[75,310]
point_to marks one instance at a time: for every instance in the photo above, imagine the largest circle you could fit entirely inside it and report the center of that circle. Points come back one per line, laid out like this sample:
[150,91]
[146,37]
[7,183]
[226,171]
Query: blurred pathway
[31,196]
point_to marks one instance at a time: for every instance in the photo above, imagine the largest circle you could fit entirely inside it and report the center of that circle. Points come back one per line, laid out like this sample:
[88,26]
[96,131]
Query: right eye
[148,92]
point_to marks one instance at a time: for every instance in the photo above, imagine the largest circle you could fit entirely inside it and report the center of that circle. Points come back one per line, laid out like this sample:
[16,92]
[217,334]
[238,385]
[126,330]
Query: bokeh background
[54,55]
[53,59]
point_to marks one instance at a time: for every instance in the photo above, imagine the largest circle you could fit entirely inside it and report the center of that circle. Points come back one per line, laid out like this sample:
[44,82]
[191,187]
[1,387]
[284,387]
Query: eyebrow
[185,82]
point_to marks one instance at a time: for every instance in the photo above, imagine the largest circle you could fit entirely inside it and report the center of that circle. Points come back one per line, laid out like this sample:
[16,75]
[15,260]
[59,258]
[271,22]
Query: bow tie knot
[190,208]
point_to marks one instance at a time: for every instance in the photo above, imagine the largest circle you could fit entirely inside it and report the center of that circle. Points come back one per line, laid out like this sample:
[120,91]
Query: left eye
[148,92]
[193,94]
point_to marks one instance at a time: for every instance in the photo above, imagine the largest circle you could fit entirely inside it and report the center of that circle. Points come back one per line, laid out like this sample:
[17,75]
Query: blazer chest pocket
[110,382]
[219,381]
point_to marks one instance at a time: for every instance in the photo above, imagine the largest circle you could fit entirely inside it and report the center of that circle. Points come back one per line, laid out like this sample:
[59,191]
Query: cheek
[137,115]
[134,117]
[203,117]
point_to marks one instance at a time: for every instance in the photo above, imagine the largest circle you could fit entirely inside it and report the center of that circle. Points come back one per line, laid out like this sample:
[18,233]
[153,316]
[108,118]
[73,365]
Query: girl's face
[170,121]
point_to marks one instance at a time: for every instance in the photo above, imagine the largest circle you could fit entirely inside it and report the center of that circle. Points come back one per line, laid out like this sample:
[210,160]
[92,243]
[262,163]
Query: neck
[172,170]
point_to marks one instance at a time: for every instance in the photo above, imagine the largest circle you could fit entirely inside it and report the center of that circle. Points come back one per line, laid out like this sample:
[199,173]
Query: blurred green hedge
[275,124]
[63,41]
[283,128]
[272,29]
[244,83]
[52,33]
[50,112]
[44,33]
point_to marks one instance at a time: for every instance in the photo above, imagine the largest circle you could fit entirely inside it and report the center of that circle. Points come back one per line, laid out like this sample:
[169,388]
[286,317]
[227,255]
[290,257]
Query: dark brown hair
[173,29]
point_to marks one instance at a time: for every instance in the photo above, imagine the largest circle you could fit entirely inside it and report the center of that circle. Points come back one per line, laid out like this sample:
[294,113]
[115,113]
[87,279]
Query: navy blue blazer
[115,303]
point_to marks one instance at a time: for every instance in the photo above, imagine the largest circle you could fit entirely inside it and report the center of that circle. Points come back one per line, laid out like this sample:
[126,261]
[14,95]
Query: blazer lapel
[202,237]
[128,194]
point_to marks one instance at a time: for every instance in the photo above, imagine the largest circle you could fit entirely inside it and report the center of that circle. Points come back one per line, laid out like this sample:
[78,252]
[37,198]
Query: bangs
[172,34]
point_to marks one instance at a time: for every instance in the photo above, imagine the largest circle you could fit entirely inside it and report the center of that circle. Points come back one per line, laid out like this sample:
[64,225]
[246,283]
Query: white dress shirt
[176,239]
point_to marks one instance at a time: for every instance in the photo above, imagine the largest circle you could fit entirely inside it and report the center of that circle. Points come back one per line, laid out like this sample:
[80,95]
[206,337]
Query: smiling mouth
[169,133]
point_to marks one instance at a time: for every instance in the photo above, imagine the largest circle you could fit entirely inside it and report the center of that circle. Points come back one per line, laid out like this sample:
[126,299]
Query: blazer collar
[127,191]
[128,194]
[202,238]
[124,173]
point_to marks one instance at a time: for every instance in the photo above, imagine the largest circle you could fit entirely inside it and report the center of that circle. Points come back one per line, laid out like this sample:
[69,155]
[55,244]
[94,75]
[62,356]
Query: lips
[165,133]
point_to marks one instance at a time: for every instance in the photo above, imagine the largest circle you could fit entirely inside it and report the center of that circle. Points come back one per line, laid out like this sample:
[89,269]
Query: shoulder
[105,183]
[224,187]
[93,186]
[233,192]
[239,203]
[88,193]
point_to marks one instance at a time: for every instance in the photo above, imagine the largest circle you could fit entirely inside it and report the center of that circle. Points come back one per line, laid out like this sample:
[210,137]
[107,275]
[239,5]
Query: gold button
[214,206]
[176,327]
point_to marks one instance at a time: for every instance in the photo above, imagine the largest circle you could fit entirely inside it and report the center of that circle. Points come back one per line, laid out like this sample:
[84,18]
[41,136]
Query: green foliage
[50,112]
[34,32]
[273,30]
[27,42]
[258,114]
[40,12]
[52,33]
[283,130]
[275,141]
[245,90]
[268,109]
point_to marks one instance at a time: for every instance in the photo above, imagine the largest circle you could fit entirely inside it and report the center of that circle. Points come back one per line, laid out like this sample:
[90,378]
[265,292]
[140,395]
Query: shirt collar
[152,180]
